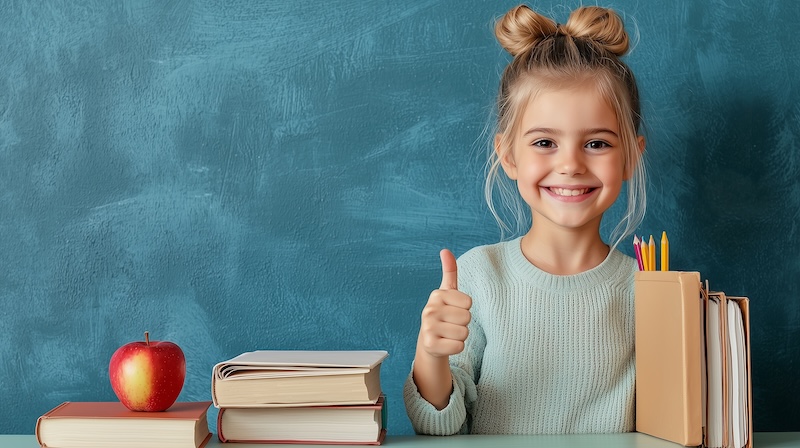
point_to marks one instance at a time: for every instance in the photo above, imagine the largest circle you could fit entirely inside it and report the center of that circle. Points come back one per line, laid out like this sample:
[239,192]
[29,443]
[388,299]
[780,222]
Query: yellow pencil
[645,256]
[664,252]
[651,251]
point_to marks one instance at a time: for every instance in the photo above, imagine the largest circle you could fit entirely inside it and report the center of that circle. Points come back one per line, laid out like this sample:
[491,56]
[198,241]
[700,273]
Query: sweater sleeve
[465,368]
[426,419]
[453,418]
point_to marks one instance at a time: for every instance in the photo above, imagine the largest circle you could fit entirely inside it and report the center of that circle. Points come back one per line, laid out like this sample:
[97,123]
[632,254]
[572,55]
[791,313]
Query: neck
[562,251]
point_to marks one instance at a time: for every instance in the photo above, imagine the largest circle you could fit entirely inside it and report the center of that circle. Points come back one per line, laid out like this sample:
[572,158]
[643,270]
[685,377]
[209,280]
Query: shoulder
[486,256]
[619,272]
[487,263]
[624,265]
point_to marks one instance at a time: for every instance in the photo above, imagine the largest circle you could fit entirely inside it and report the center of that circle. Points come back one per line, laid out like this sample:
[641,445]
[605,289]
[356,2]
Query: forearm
[433,378]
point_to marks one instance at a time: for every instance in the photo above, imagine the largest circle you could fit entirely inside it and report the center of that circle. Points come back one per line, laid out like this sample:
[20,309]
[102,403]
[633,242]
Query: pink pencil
[638,250]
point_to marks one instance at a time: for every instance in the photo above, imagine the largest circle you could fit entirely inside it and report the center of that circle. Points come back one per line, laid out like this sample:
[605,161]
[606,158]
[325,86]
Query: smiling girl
[535,335]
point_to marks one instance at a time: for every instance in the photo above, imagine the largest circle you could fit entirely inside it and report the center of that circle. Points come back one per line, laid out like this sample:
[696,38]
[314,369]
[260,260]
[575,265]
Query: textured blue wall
[235,176]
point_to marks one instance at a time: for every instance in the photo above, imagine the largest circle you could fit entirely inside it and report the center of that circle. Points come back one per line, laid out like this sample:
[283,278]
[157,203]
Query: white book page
[253,372]
[714,372]
[745,389]
[282,363]
[739,373]
[703,361]
[735,405]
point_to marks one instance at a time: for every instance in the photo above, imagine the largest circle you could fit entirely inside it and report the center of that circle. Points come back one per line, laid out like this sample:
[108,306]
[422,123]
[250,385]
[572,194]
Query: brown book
[693,383]
[329,425]
[107,424]
[297,378]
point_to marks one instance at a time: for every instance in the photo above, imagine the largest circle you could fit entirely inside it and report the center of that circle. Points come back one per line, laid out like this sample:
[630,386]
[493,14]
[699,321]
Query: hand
[446,315]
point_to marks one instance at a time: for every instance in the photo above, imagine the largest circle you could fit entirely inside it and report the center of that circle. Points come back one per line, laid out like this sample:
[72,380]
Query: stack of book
[104,424]
[311,397]
[693,368]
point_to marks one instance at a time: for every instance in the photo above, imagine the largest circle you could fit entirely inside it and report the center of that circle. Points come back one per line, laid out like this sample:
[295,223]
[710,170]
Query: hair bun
[601,25]
[521,28]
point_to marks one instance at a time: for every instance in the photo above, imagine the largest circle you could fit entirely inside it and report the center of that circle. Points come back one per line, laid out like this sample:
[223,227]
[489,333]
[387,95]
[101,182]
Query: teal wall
[276,174]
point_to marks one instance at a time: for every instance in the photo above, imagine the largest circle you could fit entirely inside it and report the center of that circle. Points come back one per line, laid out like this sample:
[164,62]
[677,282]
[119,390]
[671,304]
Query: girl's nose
[570,162]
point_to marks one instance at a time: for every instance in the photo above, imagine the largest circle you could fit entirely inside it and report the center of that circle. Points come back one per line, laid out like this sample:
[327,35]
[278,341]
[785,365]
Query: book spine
[214,388]
[39,421]
[692,332]
[220,435]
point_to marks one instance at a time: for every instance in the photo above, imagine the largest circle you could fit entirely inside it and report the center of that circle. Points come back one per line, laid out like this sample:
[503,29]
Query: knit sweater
[546,354]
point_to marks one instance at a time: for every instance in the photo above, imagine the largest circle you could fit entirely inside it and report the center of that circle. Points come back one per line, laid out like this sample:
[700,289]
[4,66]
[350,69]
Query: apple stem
[147,338]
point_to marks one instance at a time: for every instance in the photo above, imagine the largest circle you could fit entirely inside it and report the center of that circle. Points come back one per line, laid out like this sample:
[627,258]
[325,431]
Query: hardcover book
[297,378]
[351,424]
[111,424]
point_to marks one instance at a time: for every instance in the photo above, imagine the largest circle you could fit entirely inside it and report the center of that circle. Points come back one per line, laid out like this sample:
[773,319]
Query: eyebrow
[559,132]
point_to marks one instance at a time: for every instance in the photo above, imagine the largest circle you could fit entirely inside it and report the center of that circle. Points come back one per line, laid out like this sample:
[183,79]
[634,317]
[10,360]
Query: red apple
[147,376]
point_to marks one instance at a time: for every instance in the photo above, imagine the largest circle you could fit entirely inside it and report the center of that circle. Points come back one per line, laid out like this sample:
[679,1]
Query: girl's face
[567,157]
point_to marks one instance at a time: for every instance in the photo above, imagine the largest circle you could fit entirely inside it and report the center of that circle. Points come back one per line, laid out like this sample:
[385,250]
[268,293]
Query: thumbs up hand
[446,315]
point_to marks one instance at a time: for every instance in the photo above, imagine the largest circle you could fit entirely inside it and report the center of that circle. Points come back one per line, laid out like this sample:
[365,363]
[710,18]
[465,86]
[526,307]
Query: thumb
[449,270]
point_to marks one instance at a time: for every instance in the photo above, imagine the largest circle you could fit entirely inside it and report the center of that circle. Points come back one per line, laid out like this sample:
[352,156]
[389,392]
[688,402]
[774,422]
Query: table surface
[626,440]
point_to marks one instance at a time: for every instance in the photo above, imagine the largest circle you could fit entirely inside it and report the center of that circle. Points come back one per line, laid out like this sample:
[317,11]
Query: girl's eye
[544,143]
[597,145]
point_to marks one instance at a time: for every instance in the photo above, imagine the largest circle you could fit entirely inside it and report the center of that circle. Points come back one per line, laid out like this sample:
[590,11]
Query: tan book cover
[104,424]
[669,356]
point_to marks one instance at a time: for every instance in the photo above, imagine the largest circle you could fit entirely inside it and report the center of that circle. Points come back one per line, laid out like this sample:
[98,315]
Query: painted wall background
[235,176]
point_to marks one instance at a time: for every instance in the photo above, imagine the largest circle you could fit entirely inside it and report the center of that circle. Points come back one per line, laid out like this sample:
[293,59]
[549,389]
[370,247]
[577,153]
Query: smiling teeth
[567,192]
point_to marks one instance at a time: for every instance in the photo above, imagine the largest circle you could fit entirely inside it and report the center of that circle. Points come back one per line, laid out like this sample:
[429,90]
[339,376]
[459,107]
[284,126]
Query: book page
[283,363]
[733,380]
[738,369]
[704,359]
[744,379]
[714,370]
[251,372]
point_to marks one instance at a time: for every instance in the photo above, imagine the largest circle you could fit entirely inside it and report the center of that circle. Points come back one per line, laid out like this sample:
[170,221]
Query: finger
[453,332]
[443,312]
[444,347]
[450,297]
[449,270]
[456,316]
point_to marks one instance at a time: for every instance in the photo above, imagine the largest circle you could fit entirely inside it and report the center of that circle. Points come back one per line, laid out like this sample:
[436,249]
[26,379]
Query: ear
[640,142]
[506,157]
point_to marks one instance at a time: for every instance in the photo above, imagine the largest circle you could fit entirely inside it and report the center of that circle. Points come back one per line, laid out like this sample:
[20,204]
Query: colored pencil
[645,255]
[637,249]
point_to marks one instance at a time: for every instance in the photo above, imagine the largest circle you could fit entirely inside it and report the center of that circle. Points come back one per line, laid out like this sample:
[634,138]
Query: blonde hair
[547,55]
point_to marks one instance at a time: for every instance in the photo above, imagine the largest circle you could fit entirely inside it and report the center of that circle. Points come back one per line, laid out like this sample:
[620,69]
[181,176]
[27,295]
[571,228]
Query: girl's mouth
[569,192]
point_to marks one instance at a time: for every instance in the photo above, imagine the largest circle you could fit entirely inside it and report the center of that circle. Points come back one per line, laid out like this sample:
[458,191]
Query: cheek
[612,171]
[532,167]
[529,177]
[528,180]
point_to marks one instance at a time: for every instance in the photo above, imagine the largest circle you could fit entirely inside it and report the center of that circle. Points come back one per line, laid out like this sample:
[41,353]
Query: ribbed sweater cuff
[426,419]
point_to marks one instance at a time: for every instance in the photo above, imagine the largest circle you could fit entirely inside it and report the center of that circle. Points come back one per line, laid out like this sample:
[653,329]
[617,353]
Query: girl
[535,335]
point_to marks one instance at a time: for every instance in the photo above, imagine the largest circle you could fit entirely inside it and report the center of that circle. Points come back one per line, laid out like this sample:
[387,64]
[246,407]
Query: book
[350,424]
[668,355]
[693,383]
[714,353]
[104,424]
[283,378]
[738,323]
[729,423]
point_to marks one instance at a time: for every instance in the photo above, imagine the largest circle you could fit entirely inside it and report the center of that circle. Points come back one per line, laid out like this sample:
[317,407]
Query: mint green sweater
[546,354]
